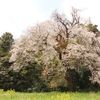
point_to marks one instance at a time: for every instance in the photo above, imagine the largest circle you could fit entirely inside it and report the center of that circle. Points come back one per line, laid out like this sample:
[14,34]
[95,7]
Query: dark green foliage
[93,28]
[32,76]
[6,41]
[78,81]
[28,78]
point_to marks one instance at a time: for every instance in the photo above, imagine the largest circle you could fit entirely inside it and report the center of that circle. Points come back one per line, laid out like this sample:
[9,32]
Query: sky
[17,15]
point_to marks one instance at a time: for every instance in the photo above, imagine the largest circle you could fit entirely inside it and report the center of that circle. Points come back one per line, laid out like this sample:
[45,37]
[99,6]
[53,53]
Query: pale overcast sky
[17,15]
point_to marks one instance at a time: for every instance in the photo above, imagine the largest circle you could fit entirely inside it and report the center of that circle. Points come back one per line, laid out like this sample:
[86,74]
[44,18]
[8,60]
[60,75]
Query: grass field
[12,95]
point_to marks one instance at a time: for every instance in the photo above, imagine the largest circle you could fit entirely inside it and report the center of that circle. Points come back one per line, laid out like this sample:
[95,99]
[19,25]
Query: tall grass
[12,95]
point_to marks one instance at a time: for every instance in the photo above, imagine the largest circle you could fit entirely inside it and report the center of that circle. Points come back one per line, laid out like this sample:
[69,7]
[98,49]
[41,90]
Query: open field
[11,95]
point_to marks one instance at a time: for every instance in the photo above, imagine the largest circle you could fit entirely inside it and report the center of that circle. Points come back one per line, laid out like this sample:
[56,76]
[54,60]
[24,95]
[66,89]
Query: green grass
[11,95]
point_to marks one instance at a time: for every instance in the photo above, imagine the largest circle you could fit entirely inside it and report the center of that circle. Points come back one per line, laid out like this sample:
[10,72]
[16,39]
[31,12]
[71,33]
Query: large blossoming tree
[59,52]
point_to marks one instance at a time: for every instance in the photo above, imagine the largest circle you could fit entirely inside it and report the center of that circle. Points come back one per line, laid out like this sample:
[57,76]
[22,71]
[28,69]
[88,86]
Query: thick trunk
[60,56]
[69,81]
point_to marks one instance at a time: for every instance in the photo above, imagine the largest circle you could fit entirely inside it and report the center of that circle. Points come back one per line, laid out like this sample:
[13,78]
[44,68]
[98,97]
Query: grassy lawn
[11,95]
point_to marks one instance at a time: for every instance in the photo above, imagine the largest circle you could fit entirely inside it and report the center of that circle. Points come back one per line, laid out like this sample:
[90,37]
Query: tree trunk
[69,80]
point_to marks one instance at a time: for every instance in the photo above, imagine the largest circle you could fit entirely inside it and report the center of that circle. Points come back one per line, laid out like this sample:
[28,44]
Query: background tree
[6,41]
[94,29]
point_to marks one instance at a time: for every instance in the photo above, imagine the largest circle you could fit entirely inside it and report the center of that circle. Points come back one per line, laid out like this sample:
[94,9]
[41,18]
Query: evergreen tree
[6,41]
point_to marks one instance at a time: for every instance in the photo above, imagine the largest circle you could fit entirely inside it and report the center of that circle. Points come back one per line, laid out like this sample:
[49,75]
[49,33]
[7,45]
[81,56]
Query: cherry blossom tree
[60,46]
